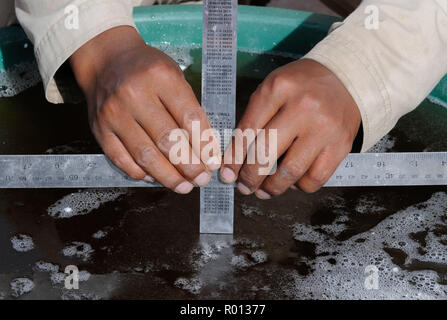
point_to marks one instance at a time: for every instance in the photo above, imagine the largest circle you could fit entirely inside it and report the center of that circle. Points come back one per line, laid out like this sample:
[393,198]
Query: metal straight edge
[96,171]
[219,55]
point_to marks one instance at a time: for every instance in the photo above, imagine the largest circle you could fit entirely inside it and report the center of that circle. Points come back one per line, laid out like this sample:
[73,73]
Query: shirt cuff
[344,57]
[59,42]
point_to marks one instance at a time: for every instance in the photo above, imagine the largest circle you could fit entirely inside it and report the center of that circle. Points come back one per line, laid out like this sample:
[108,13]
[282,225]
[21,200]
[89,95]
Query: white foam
[207,251]
[193,285]
[79,250]
[385,144]
[368,205]
[83,202]
[240,262]
[21,286]
[346,279]
[22,243]
[99,234]
[264,288]
[249,260]
[46,267]
[246,243]
[250,211]
[71,295]
[259,257]
[59,277]
[18,78]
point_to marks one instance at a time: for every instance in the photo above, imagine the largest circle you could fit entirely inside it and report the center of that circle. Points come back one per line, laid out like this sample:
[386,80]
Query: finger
[297,161]
[163,130]
[262,107]
[187,112]
[117,153]
[323,168]
[278,136]
[146,154]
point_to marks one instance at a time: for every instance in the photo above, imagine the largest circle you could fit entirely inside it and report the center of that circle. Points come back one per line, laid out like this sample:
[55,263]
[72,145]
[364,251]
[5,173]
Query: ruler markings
[96,171]
[219,54]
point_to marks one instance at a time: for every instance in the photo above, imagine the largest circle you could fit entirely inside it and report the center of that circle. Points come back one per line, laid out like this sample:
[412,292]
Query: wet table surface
[379,243]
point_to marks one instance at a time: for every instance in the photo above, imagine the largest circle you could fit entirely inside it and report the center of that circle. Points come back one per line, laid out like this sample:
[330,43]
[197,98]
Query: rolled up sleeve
[58,28]
[388,71]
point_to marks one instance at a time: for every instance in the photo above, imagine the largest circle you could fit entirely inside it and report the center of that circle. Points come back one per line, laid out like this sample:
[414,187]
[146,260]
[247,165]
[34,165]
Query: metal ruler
[96,171]
[219,54]
[391,169]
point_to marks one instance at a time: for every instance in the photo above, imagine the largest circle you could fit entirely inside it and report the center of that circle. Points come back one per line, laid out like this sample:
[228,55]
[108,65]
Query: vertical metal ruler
[219,57]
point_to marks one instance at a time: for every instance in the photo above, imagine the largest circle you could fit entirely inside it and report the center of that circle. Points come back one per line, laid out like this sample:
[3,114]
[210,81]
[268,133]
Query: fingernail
[261,194]
[202,179]
[294,187]
[149,179]
[243,189]
[228,175]
[213,163]
[184,188]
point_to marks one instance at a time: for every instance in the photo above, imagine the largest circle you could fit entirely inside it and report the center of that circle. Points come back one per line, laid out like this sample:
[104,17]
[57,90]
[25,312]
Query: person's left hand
[316,119]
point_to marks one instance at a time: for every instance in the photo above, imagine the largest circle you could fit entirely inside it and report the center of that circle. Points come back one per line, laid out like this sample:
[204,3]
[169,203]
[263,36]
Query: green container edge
[261,30]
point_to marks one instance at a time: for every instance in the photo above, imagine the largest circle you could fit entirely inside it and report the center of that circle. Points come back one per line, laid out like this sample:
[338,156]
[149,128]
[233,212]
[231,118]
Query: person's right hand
[136,96]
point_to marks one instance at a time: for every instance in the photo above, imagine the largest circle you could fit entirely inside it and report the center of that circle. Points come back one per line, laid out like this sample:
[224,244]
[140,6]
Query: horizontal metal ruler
[96,171]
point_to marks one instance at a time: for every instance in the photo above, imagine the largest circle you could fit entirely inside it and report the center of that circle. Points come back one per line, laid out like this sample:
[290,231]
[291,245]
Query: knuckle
[109,111]
[192,115]
[248,179]
[135,176]
[146,156]
[272,190]
[126,89]
[311,101]
[263,90]
[256,96]
[279,83]
[317,177]
[308,188]
[119,161]
[322,117]
[324,121]
[294,169]
[165,71]
[125,164]
[192,171]
[163,142]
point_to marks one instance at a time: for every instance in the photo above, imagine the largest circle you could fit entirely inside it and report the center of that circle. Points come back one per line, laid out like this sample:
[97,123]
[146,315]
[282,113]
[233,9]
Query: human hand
[136,97]
[316,120]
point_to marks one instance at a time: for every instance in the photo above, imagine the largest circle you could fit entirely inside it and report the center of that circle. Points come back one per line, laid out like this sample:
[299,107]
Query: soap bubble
[18,78]
[21,286]
[83,202]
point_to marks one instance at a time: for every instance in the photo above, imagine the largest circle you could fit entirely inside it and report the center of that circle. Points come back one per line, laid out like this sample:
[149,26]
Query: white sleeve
[390,70]
[58,28]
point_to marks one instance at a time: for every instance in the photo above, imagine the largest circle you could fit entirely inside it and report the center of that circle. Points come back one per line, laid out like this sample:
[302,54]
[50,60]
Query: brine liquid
[144,243]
